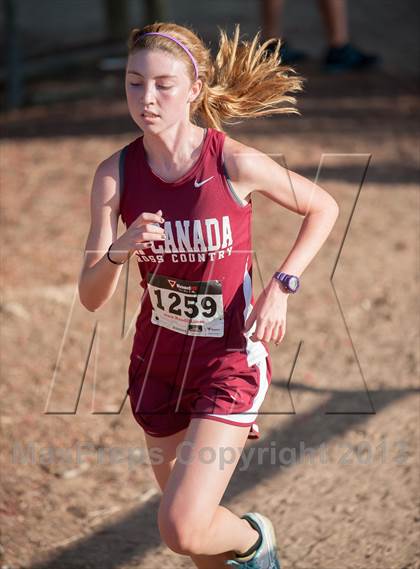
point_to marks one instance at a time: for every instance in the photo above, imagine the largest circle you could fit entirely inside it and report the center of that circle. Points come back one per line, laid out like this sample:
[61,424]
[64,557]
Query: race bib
[194,308]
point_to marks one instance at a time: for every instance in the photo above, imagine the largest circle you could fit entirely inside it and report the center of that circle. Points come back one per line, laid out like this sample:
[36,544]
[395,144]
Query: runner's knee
[180,538]
[181,533]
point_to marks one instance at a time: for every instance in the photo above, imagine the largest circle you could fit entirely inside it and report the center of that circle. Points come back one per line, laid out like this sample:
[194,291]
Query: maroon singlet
[190,357]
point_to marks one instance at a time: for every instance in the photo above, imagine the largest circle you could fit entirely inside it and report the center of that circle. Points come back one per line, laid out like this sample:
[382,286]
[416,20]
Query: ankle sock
[251,552]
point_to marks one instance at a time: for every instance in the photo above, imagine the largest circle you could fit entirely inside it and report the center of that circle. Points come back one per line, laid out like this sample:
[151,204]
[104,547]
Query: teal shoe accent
[266,556]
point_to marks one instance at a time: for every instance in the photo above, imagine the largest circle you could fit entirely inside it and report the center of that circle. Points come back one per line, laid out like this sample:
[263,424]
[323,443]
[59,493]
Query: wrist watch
[290,282]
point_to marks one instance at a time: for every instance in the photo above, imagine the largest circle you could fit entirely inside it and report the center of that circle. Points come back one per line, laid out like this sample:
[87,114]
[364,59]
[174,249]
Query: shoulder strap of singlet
[121,168]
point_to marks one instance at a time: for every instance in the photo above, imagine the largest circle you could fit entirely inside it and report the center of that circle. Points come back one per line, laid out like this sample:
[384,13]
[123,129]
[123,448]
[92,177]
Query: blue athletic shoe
[348,58]
[266,556]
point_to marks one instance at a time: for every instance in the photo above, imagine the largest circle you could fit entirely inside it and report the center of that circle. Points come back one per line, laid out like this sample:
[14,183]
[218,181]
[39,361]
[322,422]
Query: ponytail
[245,81]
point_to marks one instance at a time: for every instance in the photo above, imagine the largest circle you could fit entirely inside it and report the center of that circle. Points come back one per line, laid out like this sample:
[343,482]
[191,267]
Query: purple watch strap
[284,278]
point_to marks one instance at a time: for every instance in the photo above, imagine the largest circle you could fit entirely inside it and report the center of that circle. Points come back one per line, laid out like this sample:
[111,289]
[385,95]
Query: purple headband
[185,48]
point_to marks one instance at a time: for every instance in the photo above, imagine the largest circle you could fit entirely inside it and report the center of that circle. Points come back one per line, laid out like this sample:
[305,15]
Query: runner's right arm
[99,277]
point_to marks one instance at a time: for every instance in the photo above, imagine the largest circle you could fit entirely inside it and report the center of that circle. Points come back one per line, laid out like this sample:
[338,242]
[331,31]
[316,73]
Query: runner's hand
[269,313]
[142,232]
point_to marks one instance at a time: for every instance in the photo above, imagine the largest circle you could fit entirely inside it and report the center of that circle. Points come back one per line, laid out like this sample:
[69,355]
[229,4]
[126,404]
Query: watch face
[293,283]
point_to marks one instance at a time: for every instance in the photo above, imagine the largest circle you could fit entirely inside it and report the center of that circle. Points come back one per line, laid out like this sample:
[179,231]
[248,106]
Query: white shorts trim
[251,414]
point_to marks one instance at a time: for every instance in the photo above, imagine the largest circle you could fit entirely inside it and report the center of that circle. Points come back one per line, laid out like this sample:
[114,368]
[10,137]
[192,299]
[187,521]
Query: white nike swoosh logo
[199,184]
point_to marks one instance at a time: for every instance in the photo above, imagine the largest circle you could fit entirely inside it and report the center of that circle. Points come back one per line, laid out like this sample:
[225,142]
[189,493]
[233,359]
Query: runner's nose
[148,95]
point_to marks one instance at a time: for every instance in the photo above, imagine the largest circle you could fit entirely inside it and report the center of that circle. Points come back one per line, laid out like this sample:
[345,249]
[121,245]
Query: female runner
[199,367]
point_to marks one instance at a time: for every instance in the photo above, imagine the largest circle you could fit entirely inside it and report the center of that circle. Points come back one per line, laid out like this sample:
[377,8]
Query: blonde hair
[244,81]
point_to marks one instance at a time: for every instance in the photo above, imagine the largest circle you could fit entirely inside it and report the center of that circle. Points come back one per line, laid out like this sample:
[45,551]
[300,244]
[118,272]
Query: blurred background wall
[55,37]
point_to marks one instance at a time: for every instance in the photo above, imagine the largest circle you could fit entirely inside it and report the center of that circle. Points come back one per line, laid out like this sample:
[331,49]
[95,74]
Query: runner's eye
[159,86]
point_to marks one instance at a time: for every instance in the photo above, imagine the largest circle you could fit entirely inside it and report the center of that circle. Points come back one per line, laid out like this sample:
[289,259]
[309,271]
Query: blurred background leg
[272,14]
[341,54]
[272,24]
[334,14]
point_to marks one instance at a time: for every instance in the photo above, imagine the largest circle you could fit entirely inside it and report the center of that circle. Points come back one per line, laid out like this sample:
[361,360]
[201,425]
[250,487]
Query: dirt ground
[345,378]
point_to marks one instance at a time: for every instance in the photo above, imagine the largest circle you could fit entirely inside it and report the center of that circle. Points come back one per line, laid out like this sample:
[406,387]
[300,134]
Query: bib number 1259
[194,308]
